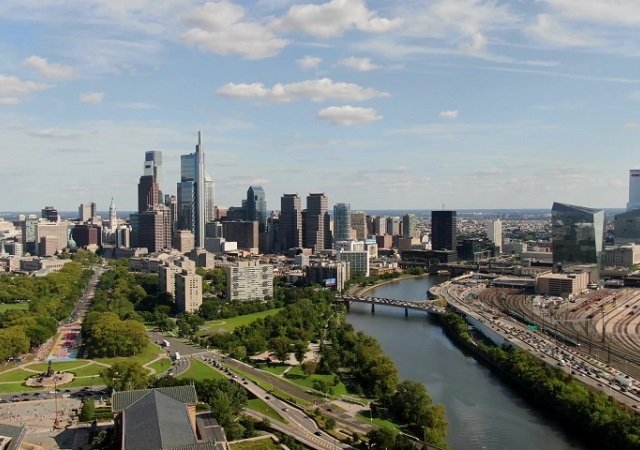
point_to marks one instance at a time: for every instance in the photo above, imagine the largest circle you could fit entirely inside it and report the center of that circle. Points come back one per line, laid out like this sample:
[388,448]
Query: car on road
[317,433]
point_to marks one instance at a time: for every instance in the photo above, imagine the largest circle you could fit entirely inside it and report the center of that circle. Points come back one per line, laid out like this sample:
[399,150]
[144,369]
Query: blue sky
[412,104]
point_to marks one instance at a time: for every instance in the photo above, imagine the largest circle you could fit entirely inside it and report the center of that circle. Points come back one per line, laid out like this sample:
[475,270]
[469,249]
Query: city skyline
[471,104]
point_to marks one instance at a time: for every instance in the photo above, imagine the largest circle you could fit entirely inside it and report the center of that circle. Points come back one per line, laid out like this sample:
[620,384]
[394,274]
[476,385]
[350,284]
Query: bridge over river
[418,305]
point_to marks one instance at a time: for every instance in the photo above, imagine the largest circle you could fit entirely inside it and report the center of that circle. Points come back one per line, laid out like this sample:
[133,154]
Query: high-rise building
[50,213]
[627,228]
[341,222]
[148,193]
[634,190]
[154,167]
[51,237]
[86,235]
[183,241]
[409,226]
[379,224]
[194,206]
[290,223]
[249,280]
[29,234]
[393,226]
[113,217]
[359,224]
[86,212]
[577,234]
[152,229]
[188,291]
[244,232]
[256,206]
[494,233]
[358,261]
[317,233]
[444,230]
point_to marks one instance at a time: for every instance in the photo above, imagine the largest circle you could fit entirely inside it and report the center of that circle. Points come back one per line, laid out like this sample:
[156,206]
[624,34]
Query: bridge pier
[373,308]
[406,312]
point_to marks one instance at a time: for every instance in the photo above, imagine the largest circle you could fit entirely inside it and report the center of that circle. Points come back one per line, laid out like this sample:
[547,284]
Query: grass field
[84,381]
[297,376]
[15,375]
[160,365]
[88,370]
[261,444]
[382,423]
[148,354]
[200,371]
[269,387]
[16,387]
[227,325]
[9,306]
[58,366]
[258,405]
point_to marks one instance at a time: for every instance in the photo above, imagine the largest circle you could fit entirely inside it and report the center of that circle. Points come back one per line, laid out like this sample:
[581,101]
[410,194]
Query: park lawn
[148,354]
[160,365]
[10,306]
[84,381]
[297,376]
[258,405]
[16,387]
[228,325]
[199,371]
[15,375]
[276,370]
[258,444]
[381,423]
[62,366]
[90,370]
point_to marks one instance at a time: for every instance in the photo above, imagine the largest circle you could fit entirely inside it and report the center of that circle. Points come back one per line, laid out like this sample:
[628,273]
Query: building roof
[156,421]
[573,208]
[13,435]
[122,400]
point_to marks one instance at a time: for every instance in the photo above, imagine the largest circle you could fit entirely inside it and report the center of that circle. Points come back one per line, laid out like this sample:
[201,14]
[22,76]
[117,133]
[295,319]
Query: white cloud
[309,62]
[93,98]
[220,27]
[333,18]
[55,133]
[348,115]
[635,125]
[449,114]
[135,105]
[9,101]
[316,90]
[47,69]
[618,12]
[359,64]
[12,86]
[549,30]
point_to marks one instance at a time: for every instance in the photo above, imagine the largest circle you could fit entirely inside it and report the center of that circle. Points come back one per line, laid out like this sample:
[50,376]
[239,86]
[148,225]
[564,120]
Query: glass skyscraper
[256,206]
[577,234]
[341,222]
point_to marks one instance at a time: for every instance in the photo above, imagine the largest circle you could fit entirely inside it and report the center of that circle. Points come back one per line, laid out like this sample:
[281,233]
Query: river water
[482,412]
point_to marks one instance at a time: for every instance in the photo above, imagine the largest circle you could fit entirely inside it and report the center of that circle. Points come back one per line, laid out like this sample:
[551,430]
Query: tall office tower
[50,235]
[379,225]
[148,193]
[409,226]
[86,212]
[152,229]
[577,234]
[171,202]
[627,228]
[494,233]
[193,206]
[359,224]
[154,167]
[249,280]
[50,213]
[256,206]
[29,234]
[341,222]
[634,190]
[393,226]
[444,230]
[318,233]
[290,223]
[244,232]
[188,291]
[210,199]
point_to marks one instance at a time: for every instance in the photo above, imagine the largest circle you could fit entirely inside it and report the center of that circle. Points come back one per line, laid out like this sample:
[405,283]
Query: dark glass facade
[577,234]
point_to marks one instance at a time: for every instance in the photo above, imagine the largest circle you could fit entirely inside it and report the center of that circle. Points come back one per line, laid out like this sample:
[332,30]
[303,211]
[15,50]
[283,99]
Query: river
[482,412]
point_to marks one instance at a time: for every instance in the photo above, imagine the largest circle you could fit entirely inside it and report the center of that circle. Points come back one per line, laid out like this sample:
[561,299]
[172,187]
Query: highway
[586,369]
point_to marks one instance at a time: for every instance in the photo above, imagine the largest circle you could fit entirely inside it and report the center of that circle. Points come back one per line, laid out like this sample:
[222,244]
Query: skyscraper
[577,234]
[409,226]
[195,194]
[494,233]
[341,222]
[634,190]
[444,230]
[359,224]
[86,212]
[290,224]
[148,193]
[154,167]
[256,206]
[317,232]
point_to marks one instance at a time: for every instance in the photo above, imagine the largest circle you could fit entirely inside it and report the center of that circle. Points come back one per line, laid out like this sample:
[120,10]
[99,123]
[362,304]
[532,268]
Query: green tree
[126,376]
[13,342]
[299,350]
[381,438]
[436,429]
[411,404]
[309,367]
[221,408]
[279,347]
[88,410]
